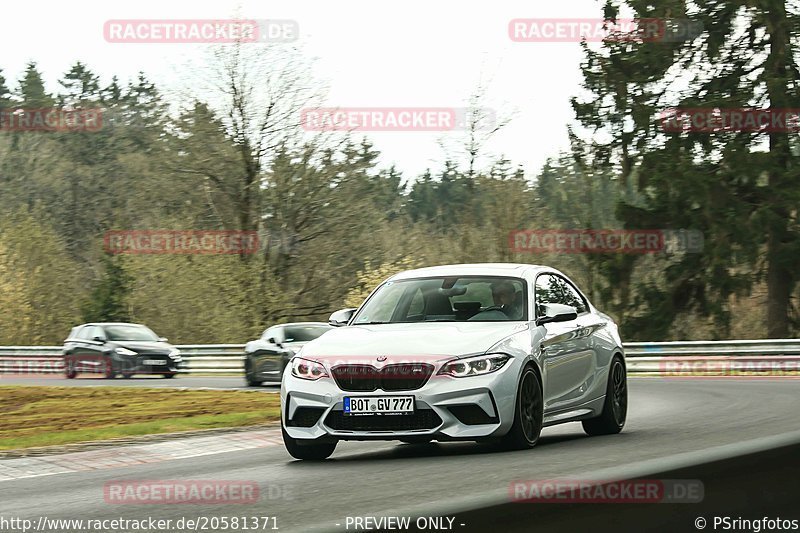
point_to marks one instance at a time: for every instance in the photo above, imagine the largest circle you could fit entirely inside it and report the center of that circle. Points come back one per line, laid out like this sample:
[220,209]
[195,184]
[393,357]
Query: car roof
[300,324]
[111,324]
[473,269]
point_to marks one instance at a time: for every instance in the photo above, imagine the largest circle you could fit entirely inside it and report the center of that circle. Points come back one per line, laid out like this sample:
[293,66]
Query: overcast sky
[428,53]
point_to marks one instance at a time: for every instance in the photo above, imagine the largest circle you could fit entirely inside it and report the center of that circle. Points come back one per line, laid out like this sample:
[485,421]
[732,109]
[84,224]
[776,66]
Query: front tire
[109,371]
[248,375]
[528,413]
[309,450]
[615,406]
[252,382]
[169,375]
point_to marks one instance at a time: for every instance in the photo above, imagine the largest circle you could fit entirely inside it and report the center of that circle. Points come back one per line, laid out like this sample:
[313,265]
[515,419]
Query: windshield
[446,299]
[129,333]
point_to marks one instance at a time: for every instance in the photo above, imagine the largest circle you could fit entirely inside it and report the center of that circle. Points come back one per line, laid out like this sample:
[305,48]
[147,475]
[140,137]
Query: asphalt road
[666,417]
[89,380]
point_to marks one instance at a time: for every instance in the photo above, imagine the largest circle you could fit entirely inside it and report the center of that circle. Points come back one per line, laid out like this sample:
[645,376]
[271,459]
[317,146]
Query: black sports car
[265,358]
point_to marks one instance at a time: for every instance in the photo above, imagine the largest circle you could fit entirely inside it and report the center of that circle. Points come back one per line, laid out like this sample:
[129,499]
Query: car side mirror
[98,338]
[162,339]
[276,342]
[341,317]
[557,313]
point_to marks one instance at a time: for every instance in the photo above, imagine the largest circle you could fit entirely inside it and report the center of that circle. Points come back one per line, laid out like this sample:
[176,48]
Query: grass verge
[45,416]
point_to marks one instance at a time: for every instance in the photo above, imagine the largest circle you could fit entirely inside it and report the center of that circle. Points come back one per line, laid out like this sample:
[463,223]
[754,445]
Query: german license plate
[154,362]
[378,405]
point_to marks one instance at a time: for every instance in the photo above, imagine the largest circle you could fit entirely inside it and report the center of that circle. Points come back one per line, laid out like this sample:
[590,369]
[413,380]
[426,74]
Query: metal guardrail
[198,359]
[770,356]
[734,357]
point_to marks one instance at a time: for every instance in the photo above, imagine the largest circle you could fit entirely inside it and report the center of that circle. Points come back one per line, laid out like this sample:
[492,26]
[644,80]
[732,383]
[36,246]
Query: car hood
[259,344]
[146,346]
[295,346]
[431,341]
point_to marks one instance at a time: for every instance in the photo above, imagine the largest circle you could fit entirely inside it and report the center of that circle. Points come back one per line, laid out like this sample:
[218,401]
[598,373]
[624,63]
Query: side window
[556,290]
[545,292]
[81,333]
[280,334]
[572,297]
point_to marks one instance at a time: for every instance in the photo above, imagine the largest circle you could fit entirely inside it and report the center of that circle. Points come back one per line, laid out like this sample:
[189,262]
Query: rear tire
[169,375]
[308,451]
[615,406]
[528,413]
[69,370]
[127,375]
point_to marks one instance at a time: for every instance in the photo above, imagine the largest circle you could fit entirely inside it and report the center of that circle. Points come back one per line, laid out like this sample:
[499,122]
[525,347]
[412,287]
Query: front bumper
[143,364]
[446,408]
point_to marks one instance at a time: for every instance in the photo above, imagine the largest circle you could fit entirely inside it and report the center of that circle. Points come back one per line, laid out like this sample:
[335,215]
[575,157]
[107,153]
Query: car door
[274,341]
[589,325]
[79,349]
[267,359]
[72,346]
[291,339]
[567,357]
[92,351]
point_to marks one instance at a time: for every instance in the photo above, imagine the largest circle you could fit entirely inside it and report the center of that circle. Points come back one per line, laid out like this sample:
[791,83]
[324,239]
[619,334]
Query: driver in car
[503,309]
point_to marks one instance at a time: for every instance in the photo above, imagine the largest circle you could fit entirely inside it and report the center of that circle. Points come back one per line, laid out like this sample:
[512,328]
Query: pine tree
[5,94]
[108,299]
[80,87]
[112,95]
[32,91]
[742,198]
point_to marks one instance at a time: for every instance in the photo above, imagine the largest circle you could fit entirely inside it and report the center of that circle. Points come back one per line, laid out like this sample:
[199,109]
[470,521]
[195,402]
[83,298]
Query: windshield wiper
[370,323]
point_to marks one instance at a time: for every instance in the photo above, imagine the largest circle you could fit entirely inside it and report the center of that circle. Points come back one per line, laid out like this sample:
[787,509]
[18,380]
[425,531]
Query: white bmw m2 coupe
[483,352]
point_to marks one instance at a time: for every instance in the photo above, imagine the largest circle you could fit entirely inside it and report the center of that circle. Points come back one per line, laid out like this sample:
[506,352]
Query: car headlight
[125,351]
[306,369]
[175,354]
[474,366]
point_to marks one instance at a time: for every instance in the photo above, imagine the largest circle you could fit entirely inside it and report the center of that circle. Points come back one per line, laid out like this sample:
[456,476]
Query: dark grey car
[265,358]
[112,348]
